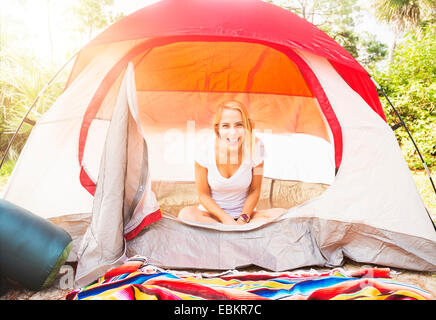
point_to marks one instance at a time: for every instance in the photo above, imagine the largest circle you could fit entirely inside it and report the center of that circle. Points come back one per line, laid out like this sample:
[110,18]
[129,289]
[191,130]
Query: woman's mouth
[233,141]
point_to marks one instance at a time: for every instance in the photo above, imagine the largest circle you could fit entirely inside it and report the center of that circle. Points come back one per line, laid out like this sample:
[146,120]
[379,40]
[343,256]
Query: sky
[26,21]
[371,25]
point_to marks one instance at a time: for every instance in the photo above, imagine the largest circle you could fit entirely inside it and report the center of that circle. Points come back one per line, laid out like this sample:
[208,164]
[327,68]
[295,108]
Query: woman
[229,174]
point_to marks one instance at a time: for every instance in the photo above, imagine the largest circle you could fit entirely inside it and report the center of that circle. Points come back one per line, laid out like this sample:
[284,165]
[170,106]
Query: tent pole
[408,132]
[25,119]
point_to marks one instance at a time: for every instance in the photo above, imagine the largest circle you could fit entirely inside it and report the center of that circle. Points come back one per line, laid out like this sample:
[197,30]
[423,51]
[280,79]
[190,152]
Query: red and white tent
[156,76]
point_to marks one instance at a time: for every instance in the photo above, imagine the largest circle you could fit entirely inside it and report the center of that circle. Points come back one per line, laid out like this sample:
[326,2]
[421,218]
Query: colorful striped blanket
[152,283]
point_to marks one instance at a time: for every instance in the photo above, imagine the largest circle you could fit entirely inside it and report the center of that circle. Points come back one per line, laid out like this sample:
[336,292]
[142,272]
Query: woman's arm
[205,198]
[254,191]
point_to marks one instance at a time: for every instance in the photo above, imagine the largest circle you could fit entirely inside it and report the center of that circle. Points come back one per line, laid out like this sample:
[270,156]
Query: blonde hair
[248,124]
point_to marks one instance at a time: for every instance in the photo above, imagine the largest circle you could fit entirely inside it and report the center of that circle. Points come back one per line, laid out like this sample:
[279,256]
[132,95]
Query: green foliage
[23,75]
[404,14]
[5,171]
[94,15]
[409,81]
[21,80]
[371,51]
[427,193]
[410,84]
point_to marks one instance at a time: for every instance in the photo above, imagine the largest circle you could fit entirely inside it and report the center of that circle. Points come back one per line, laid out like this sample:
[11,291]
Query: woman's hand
[240,221]
[228,220]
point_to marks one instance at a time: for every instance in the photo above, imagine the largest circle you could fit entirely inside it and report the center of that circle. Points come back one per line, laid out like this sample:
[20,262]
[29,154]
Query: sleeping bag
[32,249]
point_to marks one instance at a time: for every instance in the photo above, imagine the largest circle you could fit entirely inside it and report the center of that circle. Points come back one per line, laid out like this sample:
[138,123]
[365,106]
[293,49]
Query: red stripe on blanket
[200,290]
[371,273]
[352,286]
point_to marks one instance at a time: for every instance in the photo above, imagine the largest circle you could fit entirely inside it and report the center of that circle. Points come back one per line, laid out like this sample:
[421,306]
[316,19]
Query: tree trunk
[393,46]
[50,37]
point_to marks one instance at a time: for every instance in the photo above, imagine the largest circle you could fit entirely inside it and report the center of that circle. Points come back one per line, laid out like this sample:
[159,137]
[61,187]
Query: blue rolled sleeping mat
[32,249]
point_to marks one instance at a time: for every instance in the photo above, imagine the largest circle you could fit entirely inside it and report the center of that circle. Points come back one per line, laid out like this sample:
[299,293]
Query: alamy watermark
[183,146]
[66,281]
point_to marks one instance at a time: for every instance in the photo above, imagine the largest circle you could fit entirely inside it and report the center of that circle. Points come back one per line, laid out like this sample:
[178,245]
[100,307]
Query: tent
[114,155]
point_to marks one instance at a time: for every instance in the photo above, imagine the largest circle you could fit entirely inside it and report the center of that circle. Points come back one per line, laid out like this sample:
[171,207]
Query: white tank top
[228,193]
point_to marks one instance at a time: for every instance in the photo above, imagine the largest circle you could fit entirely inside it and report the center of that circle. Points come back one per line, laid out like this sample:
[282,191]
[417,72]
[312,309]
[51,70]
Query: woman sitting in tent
[229,174]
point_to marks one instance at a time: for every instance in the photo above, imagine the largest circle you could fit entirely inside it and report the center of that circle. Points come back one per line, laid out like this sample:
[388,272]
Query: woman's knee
[277,211]
[186,213]
[268,213]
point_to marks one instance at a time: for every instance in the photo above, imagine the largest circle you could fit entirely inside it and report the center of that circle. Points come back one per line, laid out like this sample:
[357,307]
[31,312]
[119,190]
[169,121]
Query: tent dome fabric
[150,84]
[245,19]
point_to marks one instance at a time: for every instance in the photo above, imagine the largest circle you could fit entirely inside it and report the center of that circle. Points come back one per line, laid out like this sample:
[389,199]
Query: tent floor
[423,280]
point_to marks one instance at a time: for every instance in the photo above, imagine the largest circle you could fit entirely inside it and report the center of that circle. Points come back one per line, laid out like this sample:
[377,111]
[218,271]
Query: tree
[410,83]
[94,15]
[334,17]
[338,18]
[49,31]
[18,92]
[403,15]
[22,77]
[371,51]
[329,15]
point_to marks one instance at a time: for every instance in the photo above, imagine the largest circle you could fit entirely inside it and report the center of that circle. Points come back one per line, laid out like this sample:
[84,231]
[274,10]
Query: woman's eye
[239,125]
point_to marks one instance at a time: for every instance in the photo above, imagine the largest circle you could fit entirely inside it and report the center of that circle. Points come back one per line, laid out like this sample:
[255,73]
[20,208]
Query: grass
[5,173]
[426,190]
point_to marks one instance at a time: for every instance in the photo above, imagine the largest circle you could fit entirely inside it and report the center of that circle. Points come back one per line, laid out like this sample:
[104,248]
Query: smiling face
[231,128]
